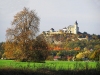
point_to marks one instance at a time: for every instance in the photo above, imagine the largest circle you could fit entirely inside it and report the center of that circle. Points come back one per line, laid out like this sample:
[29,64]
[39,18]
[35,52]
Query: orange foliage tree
[21,35]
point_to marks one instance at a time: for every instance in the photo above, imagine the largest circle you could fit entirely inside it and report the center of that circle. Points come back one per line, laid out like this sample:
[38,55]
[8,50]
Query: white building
[72,28]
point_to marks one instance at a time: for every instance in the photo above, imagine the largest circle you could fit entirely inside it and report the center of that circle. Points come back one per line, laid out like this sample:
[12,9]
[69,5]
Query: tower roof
[76,22]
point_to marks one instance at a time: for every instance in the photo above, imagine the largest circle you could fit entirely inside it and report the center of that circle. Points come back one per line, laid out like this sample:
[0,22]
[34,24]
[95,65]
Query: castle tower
[76,29]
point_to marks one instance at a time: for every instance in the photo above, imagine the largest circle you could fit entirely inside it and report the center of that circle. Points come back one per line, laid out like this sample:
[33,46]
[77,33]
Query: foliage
[80,55]
[40,49]
[50,58]
[83,55]
[95,55]
[21,42]
[1,49]
[71,42]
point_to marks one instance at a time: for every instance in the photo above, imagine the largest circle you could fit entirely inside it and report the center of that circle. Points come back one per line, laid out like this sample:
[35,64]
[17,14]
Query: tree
[80,55]
[22,33]
[1,49]
[9,50]
[95,55]
[40,49]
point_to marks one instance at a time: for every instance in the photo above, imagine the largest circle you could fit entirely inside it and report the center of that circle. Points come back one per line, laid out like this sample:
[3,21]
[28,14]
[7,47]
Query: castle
[70,29]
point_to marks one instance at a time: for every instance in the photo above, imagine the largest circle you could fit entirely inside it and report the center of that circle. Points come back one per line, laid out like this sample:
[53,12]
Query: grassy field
[54,65]
[11,67]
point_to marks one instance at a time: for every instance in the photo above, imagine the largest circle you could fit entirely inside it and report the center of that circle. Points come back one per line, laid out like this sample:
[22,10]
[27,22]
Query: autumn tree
[1,49]
[79,56]
[21,35]
[40,49]
[95,55]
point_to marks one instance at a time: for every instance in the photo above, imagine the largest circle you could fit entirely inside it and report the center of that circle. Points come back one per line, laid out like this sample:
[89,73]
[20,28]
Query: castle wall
[70,29]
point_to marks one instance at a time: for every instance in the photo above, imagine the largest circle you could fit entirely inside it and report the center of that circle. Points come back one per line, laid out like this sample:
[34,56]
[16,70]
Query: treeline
[70,47]
[73,41]
[79,49]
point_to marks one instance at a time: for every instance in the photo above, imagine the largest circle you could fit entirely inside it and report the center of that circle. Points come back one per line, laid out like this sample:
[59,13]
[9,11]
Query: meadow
[71,67]
[54,65]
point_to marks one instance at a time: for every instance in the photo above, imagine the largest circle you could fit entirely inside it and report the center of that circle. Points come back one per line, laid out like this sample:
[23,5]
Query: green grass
[53,65]
[11,67]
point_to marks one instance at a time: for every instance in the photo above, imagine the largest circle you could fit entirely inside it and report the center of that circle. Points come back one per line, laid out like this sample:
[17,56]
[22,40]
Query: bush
[50,58]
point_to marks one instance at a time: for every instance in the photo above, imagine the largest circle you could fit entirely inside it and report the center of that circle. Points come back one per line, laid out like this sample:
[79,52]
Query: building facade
[70,29]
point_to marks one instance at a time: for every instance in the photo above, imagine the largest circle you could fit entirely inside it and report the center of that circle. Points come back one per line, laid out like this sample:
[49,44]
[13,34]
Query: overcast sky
[55,14]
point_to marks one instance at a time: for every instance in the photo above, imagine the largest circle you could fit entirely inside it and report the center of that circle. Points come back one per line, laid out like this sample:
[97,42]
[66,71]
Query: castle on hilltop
[70,29]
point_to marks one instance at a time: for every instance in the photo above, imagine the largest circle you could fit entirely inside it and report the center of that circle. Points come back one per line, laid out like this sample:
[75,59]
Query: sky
[55,14]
